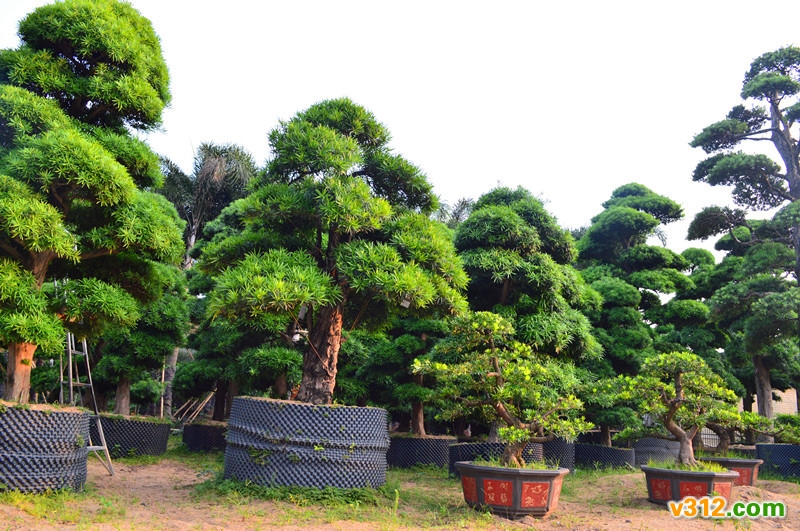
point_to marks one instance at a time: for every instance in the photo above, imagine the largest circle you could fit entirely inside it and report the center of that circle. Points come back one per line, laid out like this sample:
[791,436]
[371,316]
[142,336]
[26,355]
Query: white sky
[569,99]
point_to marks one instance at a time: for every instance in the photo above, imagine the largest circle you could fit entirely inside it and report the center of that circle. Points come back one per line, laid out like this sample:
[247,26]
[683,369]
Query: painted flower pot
[279,442]
[665,484]
[132,436]
[405,452]
[43,448]
[511,492]
[207,436]
[783,459]
[747,468]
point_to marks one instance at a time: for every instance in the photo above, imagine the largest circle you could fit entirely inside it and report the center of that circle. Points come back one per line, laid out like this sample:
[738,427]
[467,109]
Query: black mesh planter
[598,456]
[205,436]
[650,448]
[405,452]
[559,453]
[130,437]
[43,449]
[783,459]
[277,442]
[471,451]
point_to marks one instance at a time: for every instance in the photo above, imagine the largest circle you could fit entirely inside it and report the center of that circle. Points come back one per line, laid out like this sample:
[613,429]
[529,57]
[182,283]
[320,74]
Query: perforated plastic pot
[130,437]
[43,449]
[205,437]
[783,459]
[603,456]
[277,442]
[405,452]
[652,449]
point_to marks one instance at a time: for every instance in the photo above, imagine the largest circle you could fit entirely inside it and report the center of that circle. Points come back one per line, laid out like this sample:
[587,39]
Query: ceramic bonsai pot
[665,484]
[511,492]
[43,448]
[747,468]
[280,442]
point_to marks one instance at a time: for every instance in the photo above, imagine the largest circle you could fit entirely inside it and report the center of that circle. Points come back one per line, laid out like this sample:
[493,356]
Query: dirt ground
[159,496]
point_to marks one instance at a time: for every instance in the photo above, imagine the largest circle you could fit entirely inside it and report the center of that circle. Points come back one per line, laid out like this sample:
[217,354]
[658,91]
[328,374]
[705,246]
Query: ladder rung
[76,384]
[95,448]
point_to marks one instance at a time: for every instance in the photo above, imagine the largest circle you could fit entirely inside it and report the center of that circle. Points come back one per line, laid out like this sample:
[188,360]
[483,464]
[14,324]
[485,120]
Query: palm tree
[220,176]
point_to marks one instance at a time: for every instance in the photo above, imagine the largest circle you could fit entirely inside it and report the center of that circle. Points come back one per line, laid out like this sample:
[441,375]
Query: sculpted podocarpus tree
[480,368]
[72,204]
[338,229]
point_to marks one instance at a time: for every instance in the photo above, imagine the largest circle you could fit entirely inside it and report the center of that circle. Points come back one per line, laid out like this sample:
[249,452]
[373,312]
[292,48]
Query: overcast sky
[568,99]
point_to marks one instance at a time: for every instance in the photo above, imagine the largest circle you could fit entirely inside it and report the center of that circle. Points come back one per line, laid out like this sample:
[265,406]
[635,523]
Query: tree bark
[220,399]
[512,455]
[763,387]
[17,386]
[122,404]
[686,452]
[169,375]
[281,387]
[724,438]
[319,361]
[418,412]
[233,392]
[605,435]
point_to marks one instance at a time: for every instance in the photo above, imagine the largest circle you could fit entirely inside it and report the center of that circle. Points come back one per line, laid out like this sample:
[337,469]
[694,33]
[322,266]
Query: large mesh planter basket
[43,449]
[405,452]
[595,455]
[277,442]
[205,437]
[131,437]
[652,449]
[559,453]
[782,459]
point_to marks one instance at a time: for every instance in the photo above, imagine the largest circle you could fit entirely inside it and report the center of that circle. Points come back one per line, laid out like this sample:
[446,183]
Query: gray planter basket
[277,442]
[650,448]
[405,452]
[43,450]
[131,437]
[484,450]
[782,459]
[594,455]
[205,437]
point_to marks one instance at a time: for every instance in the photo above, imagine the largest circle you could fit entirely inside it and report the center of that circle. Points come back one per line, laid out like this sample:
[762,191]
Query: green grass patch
[674,465]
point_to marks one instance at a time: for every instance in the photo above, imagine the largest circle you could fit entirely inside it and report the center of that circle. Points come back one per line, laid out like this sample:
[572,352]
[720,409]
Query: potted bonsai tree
[530,395]
[679,393]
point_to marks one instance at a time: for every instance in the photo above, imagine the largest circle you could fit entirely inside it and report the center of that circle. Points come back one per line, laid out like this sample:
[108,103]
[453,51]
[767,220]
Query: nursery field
[183,491]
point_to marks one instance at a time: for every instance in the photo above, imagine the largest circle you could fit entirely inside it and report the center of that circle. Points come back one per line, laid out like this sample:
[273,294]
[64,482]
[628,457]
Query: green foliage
[100,60]
[480,368]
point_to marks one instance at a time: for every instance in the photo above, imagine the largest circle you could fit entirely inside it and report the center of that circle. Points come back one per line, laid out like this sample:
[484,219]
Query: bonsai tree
[481,368]
[680,393]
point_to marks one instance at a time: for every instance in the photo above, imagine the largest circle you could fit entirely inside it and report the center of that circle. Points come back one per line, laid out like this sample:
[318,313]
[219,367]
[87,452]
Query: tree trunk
[747,403]
[169,376]
[418,412]
[319,361]
[724,438]
[220,396]
[686,451]
[281,387]
[122,405]
[512,455]
[17,386]
[605,435]
[233,392]
[763,394]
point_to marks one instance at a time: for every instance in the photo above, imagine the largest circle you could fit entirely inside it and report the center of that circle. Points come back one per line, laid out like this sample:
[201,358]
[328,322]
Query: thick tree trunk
[763,394]
[418,412]
[17,386]
[233,392]
[686,452]
[605,435]
[512,455]
[219,401]
[280,389]
[169,376]
[724,438]
[319,361]
[122,405]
